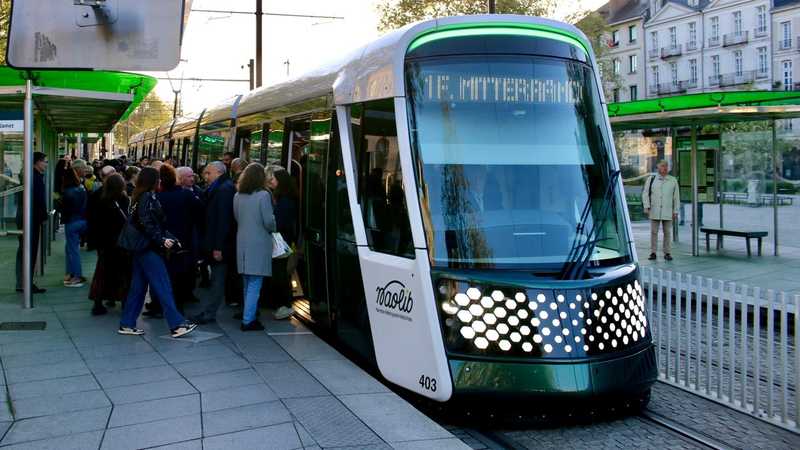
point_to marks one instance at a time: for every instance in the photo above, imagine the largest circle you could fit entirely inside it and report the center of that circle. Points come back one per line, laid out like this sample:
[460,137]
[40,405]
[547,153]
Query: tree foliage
[151,113]
[395,14]
[5,17]
[596,29]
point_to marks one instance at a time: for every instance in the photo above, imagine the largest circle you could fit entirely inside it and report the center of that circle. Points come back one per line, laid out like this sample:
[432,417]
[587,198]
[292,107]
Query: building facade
[688,46]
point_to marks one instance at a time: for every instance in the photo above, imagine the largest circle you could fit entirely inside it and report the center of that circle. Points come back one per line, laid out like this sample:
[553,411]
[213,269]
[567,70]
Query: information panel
[707,156]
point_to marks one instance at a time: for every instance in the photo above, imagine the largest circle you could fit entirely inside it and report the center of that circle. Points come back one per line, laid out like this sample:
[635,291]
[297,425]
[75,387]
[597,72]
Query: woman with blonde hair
[252,208]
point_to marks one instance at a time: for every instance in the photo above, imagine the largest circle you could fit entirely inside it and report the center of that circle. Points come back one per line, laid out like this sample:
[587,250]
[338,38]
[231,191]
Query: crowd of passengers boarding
[160,227]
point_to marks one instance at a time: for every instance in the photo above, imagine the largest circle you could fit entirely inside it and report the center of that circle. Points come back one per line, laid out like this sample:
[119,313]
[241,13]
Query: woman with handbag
[252,208]
[284,194]
[146,237]
[112,274]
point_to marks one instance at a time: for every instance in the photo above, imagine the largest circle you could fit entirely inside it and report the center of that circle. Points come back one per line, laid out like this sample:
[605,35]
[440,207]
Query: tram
[462,216]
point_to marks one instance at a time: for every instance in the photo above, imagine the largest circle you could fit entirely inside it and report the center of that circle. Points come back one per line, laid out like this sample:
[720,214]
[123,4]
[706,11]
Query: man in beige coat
[661,200]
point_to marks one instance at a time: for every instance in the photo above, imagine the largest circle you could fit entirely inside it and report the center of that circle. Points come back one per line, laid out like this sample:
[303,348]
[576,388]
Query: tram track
[685,432]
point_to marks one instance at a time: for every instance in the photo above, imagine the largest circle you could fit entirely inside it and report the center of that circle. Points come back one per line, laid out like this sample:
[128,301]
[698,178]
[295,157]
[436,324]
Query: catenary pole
[259,50]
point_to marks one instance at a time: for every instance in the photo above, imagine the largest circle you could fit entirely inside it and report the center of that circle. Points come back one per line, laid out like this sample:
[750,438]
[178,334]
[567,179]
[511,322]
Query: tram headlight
[504,320]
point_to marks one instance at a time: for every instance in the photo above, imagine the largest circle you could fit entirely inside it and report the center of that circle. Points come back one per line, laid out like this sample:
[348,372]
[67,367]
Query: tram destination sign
[96,34]
[465,88]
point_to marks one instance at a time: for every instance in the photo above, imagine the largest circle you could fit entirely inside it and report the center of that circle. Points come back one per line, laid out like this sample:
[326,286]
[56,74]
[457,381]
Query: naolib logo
[395,296]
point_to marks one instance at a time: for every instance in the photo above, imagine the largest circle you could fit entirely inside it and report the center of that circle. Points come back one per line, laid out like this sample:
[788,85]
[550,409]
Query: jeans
[216,291]
[73,231]
[252,287]
[149,269]
[667,227]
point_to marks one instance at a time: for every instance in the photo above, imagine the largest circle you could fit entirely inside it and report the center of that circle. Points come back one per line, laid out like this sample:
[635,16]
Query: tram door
[309,139]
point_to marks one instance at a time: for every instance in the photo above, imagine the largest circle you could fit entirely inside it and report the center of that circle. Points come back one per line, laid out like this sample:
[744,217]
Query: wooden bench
[745,234]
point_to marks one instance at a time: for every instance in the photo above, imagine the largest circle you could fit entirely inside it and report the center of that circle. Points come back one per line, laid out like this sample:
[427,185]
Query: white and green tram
[463,221]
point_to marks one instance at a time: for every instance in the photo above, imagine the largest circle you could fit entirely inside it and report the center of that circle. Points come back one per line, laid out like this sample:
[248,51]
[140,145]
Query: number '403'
[427,383]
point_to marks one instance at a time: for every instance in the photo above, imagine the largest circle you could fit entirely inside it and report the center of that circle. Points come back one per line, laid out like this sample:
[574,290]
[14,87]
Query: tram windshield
[511,152]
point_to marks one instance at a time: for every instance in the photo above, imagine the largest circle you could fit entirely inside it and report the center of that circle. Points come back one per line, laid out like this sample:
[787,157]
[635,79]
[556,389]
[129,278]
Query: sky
[219,45]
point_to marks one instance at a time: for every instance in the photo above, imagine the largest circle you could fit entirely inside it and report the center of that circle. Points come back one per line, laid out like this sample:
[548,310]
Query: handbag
[130,238]
[280,249]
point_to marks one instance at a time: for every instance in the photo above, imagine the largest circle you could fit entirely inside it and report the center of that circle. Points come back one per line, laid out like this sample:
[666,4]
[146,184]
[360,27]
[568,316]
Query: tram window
[313,161]
[254,147]
[275,143]
[380,189]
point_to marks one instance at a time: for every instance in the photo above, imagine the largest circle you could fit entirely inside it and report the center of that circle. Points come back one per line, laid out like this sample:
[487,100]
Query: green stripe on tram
[498,29]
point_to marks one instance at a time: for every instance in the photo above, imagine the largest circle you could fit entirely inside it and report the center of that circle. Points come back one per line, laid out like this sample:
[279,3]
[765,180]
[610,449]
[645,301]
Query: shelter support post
[676,168]
[774,187]
[27,198]
[695,224]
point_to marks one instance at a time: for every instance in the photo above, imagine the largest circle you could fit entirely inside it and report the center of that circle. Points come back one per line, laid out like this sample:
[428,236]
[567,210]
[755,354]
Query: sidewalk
[77,384]
[729,264]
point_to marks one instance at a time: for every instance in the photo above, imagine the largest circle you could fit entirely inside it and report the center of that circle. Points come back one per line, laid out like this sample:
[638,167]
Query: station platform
[77,384]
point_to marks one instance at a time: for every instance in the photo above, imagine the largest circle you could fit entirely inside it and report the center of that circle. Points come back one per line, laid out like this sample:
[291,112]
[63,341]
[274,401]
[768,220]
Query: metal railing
[653,53]
[671,51]
[762,73]
[732,79]
[785,44]
[760,32]
[727,342]
[713,41]
[691,46]
[674,87]
[798,43]
[735,38]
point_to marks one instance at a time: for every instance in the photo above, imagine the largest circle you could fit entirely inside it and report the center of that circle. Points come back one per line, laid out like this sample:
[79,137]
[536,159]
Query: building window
[738,63]
[617,66]
[654,39]
[715,28]
[633,63]
[762,19]
[693,34]
[673,69]
[615,38]
[737,22]
[632,34]
[673,36]
[693,70]
[715,65]
[615,95]
[762,59]
[787,75]
[786,35]
[634,93]
[654,72]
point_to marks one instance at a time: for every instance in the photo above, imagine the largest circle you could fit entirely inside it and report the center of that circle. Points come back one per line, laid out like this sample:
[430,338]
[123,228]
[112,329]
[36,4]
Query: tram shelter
[57,104]
[693,131]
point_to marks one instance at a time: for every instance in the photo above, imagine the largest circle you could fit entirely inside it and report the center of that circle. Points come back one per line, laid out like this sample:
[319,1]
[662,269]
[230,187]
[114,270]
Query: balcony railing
[760,32]
[732,79]
[713,41]
[691,46]
[785,44]
[653,53]
[762,73]
[798,43]
[672,51]
[736,38]
[674,87]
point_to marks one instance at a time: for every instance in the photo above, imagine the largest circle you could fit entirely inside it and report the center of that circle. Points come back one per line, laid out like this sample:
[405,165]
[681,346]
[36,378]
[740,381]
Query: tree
[395,14]
[151,113]
[596,29]
[5,16]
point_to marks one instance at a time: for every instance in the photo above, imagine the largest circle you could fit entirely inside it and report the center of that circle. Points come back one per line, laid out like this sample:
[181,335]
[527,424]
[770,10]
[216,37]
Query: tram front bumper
[624,376]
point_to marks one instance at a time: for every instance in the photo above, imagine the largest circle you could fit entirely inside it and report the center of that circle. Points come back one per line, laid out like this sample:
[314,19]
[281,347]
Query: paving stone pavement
[79,385]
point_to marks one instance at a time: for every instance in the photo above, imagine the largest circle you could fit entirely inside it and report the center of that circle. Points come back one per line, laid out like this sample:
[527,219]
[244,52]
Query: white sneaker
[283,313]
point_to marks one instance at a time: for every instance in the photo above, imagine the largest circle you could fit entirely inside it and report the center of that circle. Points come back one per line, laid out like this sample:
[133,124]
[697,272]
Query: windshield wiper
[580,254]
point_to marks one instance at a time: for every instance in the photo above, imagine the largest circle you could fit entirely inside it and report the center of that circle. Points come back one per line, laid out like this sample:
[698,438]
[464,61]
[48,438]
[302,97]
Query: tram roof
[81,101]
[704,108]
[375,70]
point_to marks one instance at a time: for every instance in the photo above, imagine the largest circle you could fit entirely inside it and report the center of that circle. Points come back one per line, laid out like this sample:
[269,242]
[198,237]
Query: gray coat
[256,223]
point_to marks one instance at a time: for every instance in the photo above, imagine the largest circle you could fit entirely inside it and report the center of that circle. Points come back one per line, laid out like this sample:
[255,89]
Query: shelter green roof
[106,82]
[704,100]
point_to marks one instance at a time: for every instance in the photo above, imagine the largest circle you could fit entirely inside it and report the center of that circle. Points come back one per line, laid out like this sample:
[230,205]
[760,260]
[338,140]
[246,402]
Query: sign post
[27,196]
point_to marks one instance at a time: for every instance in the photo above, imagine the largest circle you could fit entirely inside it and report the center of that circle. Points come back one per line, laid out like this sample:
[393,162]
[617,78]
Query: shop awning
[704,108]
[79,101]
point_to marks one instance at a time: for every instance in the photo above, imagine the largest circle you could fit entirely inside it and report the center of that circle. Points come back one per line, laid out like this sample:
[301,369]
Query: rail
[735,38]
[728,342]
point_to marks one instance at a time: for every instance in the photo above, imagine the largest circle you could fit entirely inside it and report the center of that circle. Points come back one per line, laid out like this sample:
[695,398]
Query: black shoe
[252,326]
[668,257]
[99,310]
[652,257]
[34,289]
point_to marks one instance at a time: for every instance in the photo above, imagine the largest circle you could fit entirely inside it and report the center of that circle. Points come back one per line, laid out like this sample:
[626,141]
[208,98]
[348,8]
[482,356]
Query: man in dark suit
[38,215]
[219,239]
